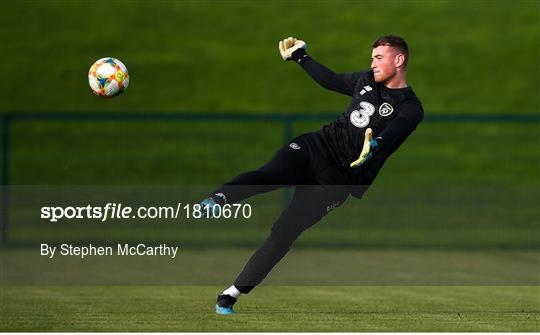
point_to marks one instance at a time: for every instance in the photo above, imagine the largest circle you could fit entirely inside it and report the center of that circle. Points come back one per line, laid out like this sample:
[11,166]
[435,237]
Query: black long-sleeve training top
[392,114]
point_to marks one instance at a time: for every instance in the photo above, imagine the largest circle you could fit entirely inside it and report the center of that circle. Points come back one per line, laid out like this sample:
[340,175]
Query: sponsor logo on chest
[361,116]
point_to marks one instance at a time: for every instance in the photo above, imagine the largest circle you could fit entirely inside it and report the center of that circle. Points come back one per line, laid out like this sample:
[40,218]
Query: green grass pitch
[272,308]
[311,290]
[477,57]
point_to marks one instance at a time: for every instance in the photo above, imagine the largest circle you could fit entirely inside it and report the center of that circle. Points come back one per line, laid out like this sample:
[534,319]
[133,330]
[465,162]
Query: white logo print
[386,109]
[332,206]
[365,89]
[294,146]
[360,118]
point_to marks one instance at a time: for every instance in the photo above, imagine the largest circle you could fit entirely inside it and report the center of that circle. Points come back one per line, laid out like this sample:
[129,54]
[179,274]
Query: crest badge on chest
[385,110]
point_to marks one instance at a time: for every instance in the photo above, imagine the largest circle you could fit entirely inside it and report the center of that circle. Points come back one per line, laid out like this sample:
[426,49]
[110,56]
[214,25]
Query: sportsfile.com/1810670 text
[115,211]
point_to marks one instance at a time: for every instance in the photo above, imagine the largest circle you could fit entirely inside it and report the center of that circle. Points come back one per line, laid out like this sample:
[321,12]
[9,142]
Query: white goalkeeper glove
[290,45]
[369,148]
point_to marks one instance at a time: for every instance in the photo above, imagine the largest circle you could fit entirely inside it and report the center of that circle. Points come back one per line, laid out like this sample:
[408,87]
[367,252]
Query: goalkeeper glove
[290,45]
[369,148]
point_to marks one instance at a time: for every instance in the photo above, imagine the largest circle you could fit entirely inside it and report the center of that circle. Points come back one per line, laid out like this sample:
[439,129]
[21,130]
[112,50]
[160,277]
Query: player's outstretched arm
[295,50]
[369,148]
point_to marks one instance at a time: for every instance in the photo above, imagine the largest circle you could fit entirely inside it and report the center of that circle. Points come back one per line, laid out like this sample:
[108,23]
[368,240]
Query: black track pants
[320,186]
[309,204]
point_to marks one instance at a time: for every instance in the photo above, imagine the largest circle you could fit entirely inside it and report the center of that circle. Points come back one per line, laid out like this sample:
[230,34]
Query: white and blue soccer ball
[108,77]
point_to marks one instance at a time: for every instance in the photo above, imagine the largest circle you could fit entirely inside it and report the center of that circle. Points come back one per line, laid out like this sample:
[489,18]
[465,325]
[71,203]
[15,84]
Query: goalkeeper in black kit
[326,166]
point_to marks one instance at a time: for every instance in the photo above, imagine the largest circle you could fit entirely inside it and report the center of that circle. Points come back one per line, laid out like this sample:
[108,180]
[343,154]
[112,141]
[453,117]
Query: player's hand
[370,146]
[290,45]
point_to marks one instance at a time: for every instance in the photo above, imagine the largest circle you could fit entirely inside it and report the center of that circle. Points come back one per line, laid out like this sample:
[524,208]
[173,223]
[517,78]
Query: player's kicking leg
[289,166]
[309,204]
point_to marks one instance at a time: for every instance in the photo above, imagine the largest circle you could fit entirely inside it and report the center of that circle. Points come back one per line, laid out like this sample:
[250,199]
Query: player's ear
[399,59]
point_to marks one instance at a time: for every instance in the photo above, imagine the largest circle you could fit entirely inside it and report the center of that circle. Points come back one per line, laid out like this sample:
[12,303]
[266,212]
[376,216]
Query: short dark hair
[396,42]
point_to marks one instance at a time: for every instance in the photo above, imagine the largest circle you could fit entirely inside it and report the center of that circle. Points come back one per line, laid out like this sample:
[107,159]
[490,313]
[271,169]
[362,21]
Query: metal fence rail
[287,120]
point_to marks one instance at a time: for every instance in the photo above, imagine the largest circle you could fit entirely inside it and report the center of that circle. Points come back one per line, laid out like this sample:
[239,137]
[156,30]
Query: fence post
[6,120]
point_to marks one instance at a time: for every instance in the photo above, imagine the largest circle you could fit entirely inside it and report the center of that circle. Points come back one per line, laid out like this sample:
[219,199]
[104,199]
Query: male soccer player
[328,165]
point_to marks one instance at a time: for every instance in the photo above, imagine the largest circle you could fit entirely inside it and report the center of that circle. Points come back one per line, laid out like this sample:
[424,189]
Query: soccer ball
[108,77]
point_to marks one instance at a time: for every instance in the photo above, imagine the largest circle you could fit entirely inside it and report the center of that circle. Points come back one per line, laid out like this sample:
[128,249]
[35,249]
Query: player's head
[389,57]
